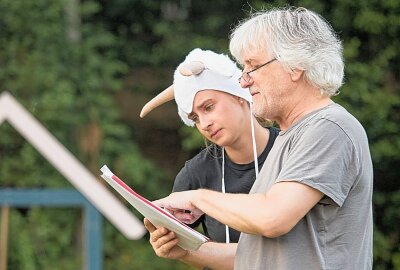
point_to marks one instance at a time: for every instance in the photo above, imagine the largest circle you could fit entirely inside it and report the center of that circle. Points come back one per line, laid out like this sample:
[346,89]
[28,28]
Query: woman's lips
[215,133]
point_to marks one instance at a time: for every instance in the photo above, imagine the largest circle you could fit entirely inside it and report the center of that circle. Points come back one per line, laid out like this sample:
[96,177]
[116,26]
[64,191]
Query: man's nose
[245,84]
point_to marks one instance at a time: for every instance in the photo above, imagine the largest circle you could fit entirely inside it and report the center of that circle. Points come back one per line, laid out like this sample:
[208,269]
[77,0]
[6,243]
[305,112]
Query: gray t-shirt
[327,150]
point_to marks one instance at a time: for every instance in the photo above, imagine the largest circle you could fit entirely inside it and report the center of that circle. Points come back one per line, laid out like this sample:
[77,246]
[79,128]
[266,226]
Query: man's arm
[270,214]
[217,256]
[210,254]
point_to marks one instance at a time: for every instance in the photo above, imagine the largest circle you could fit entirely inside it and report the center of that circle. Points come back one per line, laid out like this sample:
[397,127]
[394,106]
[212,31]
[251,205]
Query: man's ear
[296,74]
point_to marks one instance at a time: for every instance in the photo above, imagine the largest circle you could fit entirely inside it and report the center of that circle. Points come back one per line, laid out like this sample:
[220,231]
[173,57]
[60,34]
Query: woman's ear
[239,99]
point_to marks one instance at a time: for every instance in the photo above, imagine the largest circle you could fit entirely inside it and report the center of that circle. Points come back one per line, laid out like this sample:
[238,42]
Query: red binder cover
[189,238]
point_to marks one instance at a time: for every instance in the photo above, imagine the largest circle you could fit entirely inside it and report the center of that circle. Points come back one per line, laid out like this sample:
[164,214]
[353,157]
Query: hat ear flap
[163,97]
[192,68]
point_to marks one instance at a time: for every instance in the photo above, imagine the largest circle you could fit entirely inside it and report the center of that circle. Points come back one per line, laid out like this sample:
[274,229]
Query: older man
[311,205]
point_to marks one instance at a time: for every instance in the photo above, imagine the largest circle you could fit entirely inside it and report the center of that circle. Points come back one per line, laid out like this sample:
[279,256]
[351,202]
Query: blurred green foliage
[66,60]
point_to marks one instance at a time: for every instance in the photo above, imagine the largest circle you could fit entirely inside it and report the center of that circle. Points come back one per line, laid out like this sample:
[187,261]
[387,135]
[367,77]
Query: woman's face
[220,117]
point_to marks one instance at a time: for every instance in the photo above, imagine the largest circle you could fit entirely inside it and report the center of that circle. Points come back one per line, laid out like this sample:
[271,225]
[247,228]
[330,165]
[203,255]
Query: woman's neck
[242,152]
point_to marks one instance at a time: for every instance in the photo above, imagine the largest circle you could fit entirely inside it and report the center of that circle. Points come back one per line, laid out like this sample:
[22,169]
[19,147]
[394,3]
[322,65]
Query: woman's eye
[194,119]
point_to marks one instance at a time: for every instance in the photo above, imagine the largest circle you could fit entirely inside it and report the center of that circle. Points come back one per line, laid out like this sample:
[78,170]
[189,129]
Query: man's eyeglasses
[246,75]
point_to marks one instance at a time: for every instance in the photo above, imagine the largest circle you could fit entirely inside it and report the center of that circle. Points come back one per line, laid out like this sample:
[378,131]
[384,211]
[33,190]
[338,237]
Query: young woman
[208,95]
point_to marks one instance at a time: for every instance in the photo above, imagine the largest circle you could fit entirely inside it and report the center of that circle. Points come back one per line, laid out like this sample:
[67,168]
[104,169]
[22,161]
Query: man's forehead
[253,57]
[252,61]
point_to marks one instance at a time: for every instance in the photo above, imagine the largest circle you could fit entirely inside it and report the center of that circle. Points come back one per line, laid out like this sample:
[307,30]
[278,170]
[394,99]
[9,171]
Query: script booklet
[188,238]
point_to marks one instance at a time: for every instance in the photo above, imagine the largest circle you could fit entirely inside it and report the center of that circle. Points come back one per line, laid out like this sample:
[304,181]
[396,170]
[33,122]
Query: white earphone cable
[227,240]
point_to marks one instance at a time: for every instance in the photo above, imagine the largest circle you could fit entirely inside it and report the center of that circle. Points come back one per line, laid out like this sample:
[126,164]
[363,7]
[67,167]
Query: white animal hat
[201,70]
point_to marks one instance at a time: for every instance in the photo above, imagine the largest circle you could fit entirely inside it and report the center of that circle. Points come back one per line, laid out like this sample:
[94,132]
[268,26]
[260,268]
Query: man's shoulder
[336,113]
[331,117]
[343,119]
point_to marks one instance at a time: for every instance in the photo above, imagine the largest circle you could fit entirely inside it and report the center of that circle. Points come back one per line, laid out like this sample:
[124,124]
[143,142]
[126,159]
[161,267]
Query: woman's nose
[205,123]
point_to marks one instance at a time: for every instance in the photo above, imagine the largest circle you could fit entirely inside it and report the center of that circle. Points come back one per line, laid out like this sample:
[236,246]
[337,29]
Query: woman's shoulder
[273,134]
[204,158]
[273,131]
[199,171]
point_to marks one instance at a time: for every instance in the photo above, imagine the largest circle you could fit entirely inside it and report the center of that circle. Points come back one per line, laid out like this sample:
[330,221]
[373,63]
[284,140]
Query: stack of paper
[188,238]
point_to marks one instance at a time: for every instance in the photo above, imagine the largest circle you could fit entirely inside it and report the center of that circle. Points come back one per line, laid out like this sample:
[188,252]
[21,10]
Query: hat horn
[163,97]
[192,68]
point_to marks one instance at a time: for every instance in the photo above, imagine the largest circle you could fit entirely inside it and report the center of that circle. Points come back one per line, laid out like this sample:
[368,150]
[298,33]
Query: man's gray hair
[299,39]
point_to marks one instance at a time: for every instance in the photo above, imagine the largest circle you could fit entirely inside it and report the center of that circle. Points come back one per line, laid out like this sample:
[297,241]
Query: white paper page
[189,238]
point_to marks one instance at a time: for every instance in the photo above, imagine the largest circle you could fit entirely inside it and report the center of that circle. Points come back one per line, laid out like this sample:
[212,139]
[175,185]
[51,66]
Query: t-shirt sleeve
[184,181]
[323,157]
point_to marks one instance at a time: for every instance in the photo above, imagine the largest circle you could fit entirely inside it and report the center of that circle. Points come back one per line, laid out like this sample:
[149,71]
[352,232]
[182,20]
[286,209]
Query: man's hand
[180,205]
[164,242]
